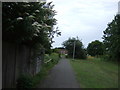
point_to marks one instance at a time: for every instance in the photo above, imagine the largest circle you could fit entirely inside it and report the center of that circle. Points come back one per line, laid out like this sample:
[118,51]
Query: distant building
[119,7]
[62,50]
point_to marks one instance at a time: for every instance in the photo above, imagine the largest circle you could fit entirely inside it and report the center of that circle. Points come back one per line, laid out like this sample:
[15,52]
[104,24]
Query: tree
[112,39]
[79,50]
[29,23]
[95,48]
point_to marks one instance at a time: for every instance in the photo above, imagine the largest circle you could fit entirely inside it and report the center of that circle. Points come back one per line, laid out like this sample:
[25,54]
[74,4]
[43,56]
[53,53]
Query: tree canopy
[79,50]
[95,48]
[112,38]
[29,23]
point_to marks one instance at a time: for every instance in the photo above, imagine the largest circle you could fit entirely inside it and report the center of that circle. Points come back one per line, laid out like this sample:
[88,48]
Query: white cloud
[84,18]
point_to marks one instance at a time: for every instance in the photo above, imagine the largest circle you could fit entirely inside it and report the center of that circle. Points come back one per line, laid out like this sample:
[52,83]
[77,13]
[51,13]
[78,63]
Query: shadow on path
[61,76]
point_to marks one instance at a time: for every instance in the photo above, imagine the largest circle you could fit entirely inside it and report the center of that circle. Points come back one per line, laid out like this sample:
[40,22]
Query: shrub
[54,57]
[24,81]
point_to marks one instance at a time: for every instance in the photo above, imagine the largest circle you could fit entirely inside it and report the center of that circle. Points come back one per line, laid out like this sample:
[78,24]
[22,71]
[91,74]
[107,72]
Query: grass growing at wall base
[28,81]
[45,69]
[42,74]
[94,73]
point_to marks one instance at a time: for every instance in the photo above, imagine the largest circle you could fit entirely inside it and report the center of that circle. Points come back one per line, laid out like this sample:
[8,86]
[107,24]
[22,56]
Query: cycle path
[60,76]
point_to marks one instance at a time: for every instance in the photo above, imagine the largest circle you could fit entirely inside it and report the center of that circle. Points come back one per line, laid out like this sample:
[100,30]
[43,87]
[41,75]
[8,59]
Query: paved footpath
[61,76]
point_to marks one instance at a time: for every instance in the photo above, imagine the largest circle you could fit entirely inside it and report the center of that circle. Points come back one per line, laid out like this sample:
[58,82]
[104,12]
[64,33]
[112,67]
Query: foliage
[112,39]
[95,48]
[40,76]
[45,68]
[96,73]
[46,57]
[79,50]
[54,57]
[24,81]
[29,23]
[55,50]
[28,81]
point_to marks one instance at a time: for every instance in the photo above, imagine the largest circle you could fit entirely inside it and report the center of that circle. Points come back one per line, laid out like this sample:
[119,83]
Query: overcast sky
[86,19]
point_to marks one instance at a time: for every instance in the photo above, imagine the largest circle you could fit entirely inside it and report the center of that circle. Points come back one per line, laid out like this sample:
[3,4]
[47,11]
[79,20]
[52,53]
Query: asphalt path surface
[61,76]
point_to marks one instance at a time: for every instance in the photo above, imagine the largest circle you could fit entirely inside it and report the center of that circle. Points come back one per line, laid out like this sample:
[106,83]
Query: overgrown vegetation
[112,39]
[96,73]
[27,81]
[42,74]
[29,23]
[95,48]
[24,81]
[53,57]
[46,67]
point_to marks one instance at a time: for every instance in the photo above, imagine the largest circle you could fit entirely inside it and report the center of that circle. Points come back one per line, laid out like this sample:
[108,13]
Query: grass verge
[45,69]
[42,74]
[94,73]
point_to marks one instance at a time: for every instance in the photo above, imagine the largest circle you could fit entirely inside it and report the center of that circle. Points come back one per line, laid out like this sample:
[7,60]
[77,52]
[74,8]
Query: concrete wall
[16,61]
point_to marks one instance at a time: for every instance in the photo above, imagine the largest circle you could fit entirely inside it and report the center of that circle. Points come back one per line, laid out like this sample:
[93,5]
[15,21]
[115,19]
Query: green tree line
[109,48]
[95,48]
[112,39]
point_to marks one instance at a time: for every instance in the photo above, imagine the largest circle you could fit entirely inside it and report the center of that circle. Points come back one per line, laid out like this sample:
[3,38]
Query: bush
[46,57]
[54,57]
[40,76]
[81,55]
[24,81]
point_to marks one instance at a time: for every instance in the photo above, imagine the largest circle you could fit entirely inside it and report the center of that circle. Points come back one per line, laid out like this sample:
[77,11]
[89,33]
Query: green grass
[45,68]
[42,74]
[94,73]
[46,57]
[53,56]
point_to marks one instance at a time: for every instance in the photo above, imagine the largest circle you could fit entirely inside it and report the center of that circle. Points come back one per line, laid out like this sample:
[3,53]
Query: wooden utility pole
[74,51]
